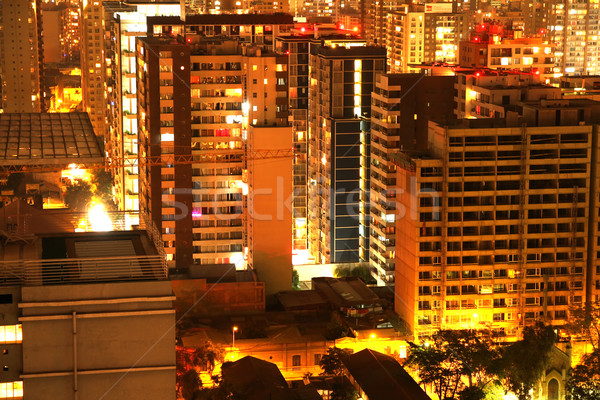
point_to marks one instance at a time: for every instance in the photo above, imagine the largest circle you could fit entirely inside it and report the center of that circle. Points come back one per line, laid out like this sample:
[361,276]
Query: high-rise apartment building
[573,27]
[498,222]
[61,32]
[341,82]
[416,34]
[401,107]
[257,29]
[196,101]
[123,24]
[296,46]
[93,69]
[485,93]
[500,47]
[21,56]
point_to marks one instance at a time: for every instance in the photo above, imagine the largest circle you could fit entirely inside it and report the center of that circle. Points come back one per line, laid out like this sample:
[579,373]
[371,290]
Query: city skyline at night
[346,199]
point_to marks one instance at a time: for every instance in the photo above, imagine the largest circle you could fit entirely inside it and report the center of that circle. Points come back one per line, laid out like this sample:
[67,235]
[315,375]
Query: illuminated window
[11,390]
[266,81]
[254,67]
[167,137]
[11,334]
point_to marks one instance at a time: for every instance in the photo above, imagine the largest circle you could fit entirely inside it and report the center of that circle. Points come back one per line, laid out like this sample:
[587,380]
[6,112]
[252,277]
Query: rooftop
[48,259]
[342,51]
[224,19]
[344,292]
[381,377]
[48,139]
[255,379]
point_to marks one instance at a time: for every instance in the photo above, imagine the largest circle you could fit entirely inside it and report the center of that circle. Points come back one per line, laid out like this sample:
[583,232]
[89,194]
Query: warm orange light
[235,328]
[373,336]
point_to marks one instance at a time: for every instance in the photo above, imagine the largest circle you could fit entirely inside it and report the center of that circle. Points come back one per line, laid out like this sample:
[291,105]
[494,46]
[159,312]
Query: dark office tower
[341,82]
[401,108]
[21,56]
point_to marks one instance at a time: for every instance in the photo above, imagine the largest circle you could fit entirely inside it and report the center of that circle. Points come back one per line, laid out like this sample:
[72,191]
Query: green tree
[207,356]
[341,391]
[525,361]
[584,323]
[331,362]
[103,187]
[584,380]
[450,358]
[295,280]
[363,273]
[434,368]
[78,195]
[191,360]
[188,384]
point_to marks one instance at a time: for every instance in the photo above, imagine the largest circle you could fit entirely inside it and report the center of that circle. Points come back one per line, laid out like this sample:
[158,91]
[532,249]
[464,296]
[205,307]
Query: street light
[233,331]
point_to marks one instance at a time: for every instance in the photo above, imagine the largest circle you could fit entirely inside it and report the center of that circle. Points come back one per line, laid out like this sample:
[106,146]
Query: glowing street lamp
[233,331]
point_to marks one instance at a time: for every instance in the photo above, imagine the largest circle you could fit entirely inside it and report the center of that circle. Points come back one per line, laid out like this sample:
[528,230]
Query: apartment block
[22,58]
[61,42]
[296,46]
[256,29]
[341,82]
[196,102]
[573,26]
[485,93]
[401,107]
[500,47]
[165,128]
[497,225]
[416,34]
[93,69]
[123,24]
[88,316]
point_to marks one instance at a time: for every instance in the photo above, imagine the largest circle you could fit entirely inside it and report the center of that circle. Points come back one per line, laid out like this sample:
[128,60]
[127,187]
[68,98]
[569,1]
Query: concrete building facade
[93,69]
[123,24]
[401,107]
[198,104]
[90,325]
[484,243]
[573,26]
[22,57]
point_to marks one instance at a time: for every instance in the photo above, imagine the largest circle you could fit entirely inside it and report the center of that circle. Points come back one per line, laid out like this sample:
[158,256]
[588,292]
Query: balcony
[82,270]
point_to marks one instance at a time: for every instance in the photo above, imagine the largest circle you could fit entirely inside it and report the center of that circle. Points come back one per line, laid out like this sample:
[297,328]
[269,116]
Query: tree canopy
[363,273]
[584,381]
[331,362]
[524,362]
[78,195]
[192,360]
[456,361]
